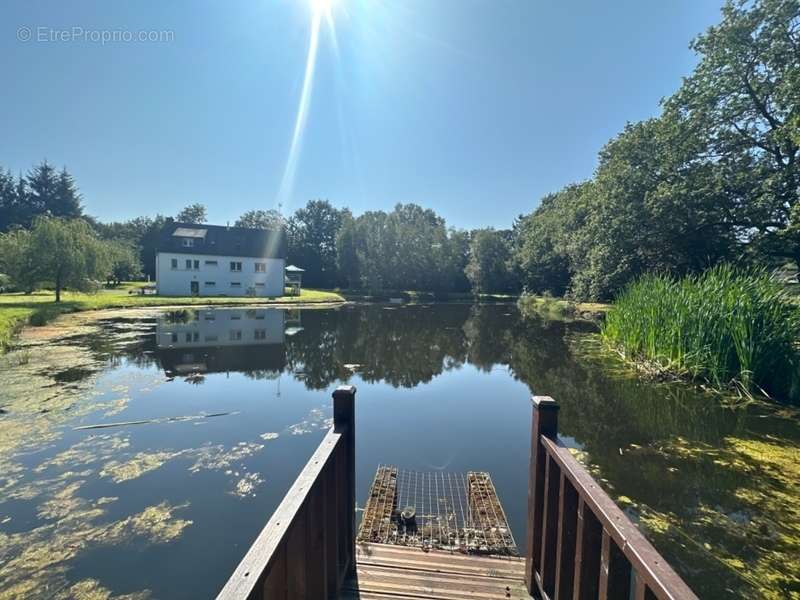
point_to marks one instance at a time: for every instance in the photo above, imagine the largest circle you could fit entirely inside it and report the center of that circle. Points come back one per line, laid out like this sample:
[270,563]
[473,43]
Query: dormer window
[187,243]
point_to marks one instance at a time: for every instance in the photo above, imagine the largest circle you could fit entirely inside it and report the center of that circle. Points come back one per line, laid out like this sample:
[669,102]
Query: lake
[213,413]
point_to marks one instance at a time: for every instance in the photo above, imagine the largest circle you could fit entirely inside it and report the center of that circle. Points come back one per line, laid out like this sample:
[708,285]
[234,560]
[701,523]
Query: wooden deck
[385,572]
[580,545]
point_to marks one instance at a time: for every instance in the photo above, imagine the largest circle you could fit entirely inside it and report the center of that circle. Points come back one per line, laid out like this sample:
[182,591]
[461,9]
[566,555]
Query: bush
[547,307]
[726,326]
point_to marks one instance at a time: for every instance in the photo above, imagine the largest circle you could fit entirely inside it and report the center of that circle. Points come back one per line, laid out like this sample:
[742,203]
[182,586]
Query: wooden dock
[580,545]
[394,572]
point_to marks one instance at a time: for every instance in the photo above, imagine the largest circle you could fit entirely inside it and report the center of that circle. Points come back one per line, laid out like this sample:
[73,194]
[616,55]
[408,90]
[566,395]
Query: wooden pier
[580,545]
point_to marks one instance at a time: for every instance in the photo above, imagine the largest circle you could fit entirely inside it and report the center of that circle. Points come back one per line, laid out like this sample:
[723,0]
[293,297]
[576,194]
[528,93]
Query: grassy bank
[38,308]
[421,296]
[727,328]
[560,309]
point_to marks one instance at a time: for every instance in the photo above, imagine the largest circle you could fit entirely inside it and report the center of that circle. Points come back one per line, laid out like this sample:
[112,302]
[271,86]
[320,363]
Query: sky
[474,108]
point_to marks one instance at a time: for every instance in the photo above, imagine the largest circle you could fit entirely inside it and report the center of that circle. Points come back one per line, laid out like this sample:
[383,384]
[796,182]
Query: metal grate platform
[434,510]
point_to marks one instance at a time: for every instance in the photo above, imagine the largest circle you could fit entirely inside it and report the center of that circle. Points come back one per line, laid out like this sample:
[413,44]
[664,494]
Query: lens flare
[320,10]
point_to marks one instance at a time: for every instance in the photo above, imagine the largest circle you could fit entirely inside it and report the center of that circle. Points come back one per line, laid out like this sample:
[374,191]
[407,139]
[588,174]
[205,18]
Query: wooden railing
[307,549]
[580,544]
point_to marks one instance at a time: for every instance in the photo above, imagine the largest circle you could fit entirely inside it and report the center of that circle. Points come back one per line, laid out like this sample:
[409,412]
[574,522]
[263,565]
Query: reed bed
[727,327]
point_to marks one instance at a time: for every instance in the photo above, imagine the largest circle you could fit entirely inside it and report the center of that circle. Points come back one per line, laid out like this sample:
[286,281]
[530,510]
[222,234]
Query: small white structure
[211,260]
[294,279]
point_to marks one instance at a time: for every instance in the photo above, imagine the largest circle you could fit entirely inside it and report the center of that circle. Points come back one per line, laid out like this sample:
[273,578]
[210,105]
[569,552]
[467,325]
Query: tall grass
[727,327]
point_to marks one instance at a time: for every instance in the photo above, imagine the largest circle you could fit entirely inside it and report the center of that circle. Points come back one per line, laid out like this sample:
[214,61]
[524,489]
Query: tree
[488,267]
[125,265]
[542,241]
[141,234]
[52,193]
[453,262]
[18,261]
[346,254]
[419,246]
[312,232]
[57,252]
[8,201]
[371,243]
[66,199]
[409,248]
[194,213]
[261,219]
[741,101]
[41,182]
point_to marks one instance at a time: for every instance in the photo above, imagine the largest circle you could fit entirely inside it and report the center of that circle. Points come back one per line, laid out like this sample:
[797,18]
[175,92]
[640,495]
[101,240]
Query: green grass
[728,328]
[40,307]
[413,296]
[557,308]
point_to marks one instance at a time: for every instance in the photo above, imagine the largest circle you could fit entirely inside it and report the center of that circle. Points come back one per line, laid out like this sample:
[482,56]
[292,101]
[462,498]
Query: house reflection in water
[201,341]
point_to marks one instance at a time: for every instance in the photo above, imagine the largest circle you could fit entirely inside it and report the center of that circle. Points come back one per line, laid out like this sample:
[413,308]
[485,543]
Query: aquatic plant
[728,327]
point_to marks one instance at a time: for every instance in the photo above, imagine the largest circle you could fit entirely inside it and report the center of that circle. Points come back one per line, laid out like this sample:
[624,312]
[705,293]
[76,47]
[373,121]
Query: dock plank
[386,571]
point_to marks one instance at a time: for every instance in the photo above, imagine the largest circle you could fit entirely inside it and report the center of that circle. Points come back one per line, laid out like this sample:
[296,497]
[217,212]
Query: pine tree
[42,183]
[23,213]
[66,201]
[7,200]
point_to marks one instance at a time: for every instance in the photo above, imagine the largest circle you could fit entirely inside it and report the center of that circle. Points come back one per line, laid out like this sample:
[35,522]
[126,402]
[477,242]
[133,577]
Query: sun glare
[322,7]
[321,10]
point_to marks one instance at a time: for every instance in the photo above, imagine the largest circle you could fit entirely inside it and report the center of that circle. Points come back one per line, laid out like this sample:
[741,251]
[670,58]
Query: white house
[212,260]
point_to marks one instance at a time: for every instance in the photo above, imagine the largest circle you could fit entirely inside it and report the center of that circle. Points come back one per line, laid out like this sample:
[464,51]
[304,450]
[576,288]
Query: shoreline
[19,312]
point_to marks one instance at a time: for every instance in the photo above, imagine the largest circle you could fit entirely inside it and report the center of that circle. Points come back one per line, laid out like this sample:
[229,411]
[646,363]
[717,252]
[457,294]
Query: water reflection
[196,342]
[715,487]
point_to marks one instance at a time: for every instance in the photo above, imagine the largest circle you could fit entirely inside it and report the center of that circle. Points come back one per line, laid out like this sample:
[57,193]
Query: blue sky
[475,108]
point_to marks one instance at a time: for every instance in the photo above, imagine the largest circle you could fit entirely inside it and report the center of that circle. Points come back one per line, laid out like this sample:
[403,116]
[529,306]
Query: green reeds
[728,327]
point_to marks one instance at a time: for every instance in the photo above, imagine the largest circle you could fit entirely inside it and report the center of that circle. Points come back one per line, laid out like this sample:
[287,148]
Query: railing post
[544,422]
[344,420]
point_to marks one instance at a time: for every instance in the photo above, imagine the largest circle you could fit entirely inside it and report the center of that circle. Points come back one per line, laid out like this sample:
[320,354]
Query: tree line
[713,179]
[408,248]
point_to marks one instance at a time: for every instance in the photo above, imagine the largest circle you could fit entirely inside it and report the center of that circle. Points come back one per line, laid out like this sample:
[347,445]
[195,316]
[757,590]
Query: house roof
[218,240]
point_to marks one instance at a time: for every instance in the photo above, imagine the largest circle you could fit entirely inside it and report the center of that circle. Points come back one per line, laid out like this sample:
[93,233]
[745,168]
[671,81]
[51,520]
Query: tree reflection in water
[714,486]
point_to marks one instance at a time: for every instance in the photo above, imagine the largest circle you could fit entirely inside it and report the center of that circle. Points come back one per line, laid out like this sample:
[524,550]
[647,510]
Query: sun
[322,7]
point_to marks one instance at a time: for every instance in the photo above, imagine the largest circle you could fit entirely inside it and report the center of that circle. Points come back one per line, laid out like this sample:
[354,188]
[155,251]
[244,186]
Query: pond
[207,415]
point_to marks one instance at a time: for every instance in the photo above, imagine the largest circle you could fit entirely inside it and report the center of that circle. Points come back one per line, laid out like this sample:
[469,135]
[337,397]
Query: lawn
[40,307]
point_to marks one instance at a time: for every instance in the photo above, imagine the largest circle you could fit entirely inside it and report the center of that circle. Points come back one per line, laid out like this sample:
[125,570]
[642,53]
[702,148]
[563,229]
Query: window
[196,265]
[174,263]
[188,264]
[210,316]
[235,335]
[188,243]
[210,283]
[236,317]
[236,266]
[260,316]
[174,338]
[211,263]
[260,334]
[261,267]
[259,284]
[188,337]
[236,284]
